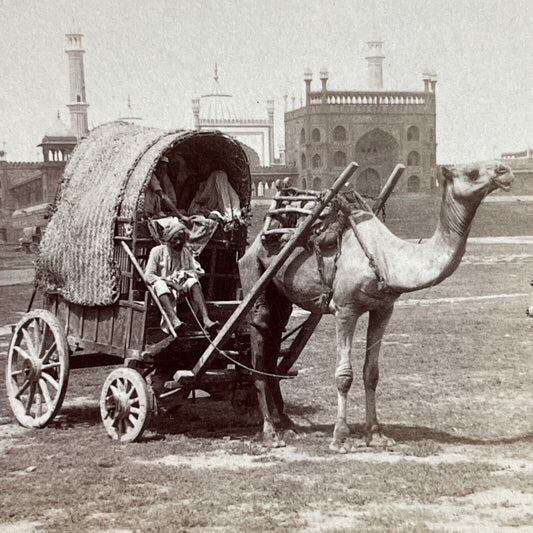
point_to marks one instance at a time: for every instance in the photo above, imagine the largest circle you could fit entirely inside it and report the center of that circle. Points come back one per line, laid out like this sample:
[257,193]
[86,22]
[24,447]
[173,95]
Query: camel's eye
[473,174]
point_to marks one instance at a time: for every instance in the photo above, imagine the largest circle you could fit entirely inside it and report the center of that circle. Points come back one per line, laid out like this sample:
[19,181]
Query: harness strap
[327,292]
[382,282]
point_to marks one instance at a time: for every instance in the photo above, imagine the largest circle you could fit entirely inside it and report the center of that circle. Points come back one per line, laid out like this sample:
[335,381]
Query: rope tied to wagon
[228,357]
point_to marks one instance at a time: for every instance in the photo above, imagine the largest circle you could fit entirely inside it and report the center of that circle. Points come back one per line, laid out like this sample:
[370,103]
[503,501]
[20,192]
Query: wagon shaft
[267,276]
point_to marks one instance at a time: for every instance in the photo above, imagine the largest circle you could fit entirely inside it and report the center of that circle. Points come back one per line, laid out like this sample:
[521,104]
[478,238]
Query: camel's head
[476,180]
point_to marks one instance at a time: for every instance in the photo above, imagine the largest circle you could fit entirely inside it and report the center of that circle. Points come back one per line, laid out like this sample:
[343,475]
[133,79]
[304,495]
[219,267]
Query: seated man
[172,271]
[160,195]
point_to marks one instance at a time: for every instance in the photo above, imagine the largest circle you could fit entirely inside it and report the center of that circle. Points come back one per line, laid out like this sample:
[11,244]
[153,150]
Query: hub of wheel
[122,405]
[31,369]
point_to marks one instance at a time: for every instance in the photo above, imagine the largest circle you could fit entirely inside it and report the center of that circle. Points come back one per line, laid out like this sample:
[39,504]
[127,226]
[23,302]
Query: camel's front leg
[377,322]
[345,321]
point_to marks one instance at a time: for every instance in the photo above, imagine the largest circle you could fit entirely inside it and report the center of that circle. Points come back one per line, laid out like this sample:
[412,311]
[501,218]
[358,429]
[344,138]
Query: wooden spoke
[22,352]
[29,399]
[49,366]
[39,337]
[43,334]
[50,380]
[49,352]
[39,354]
[25,385]
[29,342]
[45,393]
[39,398]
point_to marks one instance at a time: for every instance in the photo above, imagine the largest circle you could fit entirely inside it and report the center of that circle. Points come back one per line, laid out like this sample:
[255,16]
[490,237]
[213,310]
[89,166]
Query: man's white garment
[166,263]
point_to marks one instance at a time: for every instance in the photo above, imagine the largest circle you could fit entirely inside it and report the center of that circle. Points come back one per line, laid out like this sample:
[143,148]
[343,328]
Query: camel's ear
[446,173]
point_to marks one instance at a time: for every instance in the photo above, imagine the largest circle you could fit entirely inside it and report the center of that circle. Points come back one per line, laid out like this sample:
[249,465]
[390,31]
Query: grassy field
[455,392]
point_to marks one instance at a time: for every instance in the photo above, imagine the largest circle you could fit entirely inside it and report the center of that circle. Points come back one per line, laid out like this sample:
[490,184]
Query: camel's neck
[455,219]
[407,266]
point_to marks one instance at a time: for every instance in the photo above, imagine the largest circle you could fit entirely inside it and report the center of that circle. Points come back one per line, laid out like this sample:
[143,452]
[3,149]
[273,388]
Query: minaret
[196,112]
[270,111]
[375,65]
[308,78]
[78,104]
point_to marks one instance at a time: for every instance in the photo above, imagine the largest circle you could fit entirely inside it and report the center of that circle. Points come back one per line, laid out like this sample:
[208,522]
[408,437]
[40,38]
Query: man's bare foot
[212,326]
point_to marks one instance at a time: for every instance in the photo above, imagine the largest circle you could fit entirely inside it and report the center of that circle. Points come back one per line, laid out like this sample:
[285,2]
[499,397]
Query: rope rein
[228,357]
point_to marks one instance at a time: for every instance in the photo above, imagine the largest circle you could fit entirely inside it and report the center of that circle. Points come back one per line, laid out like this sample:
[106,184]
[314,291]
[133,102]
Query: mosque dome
[58,129]
[223,108]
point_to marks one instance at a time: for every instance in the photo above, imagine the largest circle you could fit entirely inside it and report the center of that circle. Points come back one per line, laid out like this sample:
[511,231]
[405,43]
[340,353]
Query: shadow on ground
[218,421]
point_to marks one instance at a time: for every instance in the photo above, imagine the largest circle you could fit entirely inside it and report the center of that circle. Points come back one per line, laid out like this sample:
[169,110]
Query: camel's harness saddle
[291,205]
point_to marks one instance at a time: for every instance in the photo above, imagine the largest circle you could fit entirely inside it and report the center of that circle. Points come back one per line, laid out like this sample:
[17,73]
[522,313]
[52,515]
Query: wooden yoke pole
[150,290]
[245,306]
[388,188]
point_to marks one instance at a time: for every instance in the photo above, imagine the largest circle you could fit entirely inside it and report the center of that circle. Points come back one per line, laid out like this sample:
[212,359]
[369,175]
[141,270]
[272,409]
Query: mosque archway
[339,159]
[413,133]
[413,184]
[368,183]
[317,161]
[378,149]
[339,134]
[413,159]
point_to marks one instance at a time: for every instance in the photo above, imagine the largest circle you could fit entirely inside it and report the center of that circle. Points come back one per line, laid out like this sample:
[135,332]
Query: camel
[368,274]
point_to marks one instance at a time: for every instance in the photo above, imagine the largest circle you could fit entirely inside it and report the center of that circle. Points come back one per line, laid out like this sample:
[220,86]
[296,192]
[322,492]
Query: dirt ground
[455,394]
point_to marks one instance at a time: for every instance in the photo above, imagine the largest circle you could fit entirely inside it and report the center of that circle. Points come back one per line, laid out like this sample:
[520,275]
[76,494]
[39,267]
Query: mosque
[376,128]
[218,110]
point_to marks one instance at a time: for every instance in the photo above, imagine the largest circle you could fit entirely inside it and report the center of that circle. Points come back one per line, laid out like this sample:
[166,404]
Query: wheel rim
[125,404]
[37,369]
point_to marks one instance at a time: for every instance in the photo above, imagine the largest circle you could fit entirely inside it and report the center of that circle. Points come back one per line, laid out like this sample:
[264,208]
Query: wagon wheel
[125,404]
[37,368]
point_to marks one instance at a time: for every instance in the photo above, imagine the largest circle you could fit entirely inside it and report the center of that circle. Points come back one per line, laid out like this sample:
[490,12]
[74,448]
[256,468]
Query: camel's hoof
[273,441]
[377,440]
[286,423]
[338,447]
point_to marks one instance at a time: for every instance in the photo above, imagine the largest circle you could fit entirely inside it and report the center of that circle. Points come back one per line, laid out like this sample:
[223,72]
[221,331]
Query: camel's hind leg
[280,312]
[377,322]
[267,323]
[345,321]
[250,270]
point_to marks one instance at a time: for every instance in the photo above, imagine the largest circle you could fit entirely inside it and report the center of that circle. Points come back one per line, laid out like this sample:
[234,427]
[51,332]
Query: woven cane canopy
[107,177]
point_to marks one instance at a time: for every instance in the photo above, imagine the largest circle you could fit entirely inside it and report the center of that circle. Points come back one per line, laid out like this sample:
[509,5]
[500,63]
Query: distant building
[521,163]
[217,110]
[28,188]
[376,128]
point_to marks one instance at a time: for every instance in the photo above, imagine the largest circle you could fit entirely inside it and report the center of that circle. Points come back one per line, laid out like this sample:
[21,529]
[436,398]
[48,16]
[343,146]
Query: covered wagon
[94,307]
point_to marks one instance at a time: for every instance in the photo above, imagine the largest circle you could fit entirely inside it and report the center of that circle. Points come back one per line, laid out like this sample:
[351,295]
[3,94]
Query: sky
[162,54]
